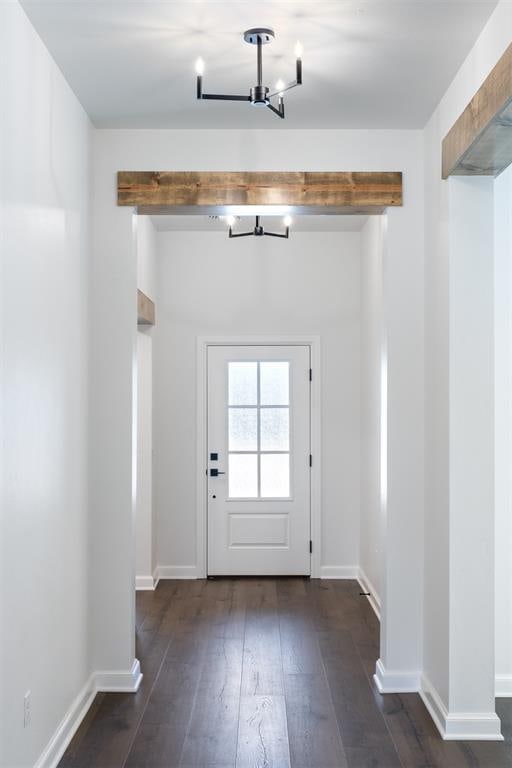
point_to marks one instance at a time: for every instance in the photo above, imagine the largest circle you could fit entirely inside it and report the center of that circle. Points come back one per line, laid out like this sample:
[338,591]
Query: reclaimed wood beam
[145,309]
[165,192]
[480,141]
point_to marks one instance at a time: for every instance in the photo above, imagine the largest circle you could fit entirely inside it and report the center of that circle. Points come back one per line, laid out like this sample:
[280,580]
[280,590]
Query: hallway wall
[209,285]
[373,408]
[503,429]
[45,155]
[145,530]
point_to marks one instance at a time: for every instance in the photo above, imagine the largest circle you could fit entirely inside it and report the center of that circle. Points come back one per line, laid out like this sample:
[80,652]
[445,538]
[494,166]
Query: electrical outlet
[26,710]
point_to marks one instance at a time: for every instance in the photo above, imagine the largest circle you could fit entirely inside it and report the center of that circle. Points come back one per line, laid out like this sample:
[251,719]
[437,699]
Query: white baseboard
[503,686]
[144,583]
[373,598]
[459,726]
[119,682]
[339,571]
[176,572]
[389,681]
[127,682]
[68,726]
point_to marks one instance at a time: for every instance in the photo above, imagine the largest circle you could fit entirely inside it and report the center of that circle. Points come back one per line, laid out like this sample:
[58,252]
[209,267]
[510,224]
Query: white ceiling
[312,223]
[367,63]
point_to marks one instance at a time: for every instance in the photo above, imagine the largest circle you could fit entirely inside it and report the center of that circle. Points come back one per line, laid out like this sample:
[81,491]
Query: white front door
[258,460]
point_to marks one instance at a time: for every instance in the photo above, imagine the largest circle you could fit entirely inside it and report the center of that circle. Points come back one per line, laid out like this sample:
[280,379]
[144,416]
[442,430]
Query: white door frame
[203,342]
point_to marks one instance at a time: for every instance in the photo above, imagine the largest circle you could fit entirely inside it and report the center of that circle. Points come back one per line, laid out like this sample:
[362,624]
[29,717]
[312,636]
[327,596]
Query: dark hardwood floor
[265,673]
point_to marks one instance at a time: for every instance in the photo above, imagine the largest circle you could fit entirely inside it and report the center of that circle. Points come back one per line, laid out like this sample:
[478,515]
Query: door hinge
[311,374]
[310,547]
[310,460]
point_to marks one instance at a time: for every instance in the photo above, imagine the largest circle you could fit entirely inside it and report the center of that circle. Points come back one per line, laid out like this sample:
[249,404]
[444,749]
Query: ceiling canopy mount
[260,95]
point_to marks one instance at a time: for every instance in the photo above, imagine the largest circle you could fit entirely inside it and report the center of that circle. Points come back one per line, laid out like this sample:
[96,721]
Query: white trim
[156,578]
[339,572]
[503,686]
[459,726]
[389,681]
[51,755]
[311,341]
[119,682]
[177,572]
[373,598]
[144,583]
[111,682]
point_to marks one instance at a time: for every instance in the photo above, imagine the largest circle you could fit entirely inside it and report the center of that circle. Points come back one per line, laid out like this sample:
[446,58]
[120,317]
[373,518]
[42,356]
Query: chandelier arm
[278,112]
[277,234]
[287,87]
[224,97]
[240,234]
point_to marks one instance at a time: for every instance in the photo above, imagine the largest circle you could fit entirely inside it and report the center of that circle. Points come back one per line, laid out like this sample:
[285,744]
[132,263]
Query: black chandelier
[258,230]
[259,94]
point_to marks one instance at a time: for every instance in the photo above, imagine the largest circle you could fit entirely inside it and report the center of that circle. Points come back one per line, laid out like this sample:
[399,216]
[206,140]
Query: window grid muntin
[258,406]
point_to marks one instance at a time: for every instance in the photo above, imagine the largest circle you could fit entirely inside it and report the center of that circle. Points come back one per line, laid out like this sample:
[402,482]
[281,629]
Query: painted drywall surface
[306,285]
[114,254]
[45,158]
[372,351]
[471,425]
[503,427]
[146,257]
[144,503]
[439,314]
[145,531]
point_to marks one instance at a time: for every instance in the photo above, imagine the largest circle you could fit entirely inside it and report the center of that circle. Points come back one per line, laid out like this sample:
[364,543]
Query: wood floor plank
[263,733]
[211,737]
[361,723]
[312,729]
[262,672]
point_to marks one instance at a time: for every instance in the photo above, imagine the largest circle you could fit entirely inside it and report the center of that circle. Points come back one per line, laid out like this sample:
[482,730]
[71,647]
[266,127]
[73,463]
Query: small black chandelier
[258,230]
[259,94]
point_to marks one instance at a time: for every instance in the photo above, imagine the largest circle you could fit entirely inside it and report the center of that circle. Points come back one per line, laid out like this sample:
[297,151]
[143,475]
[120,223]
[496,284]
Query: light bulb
[287,221]
[280,86]
[299,50]
[200,66]
[230,220]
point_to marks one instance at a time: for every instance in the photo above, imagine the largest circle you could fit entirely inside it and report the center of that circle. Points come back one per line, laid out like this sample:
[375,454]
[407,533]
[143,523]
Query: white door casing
[259,520]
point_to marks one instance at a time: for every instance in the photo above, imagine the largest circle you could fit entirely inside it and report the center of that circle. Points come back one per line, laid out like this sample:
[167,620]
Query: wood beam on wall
[145,309]
[480,141]
[167,192]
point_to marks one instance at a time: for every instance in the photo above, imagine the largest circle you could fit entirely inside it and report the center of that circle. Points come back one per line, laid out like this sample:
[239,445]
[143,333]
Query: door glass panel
[275,383]
[243,429]
[259,428]
[275,475]
[243,475]
[243,383]
[275,429]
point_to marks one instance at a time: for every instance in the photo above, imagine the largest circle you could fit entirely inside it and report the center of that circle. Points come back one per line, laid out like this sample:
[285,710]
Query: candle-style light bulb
[200,66]
[280,86]
[287,221]
[299,50]
[231,221]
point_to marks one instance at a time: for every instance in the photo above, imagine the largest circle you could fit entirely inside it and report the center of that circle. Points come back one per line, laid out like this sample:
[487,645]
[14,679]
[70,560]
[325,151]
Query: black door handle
[215,472]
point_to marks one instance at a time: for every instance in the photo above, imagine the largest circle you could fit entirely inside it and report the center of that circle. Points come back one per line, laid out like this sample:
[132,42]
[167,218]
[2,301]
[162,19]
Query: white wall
[503,429]
[209,285]
[373,501]
[448,278]
[45,157]
[145,531]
